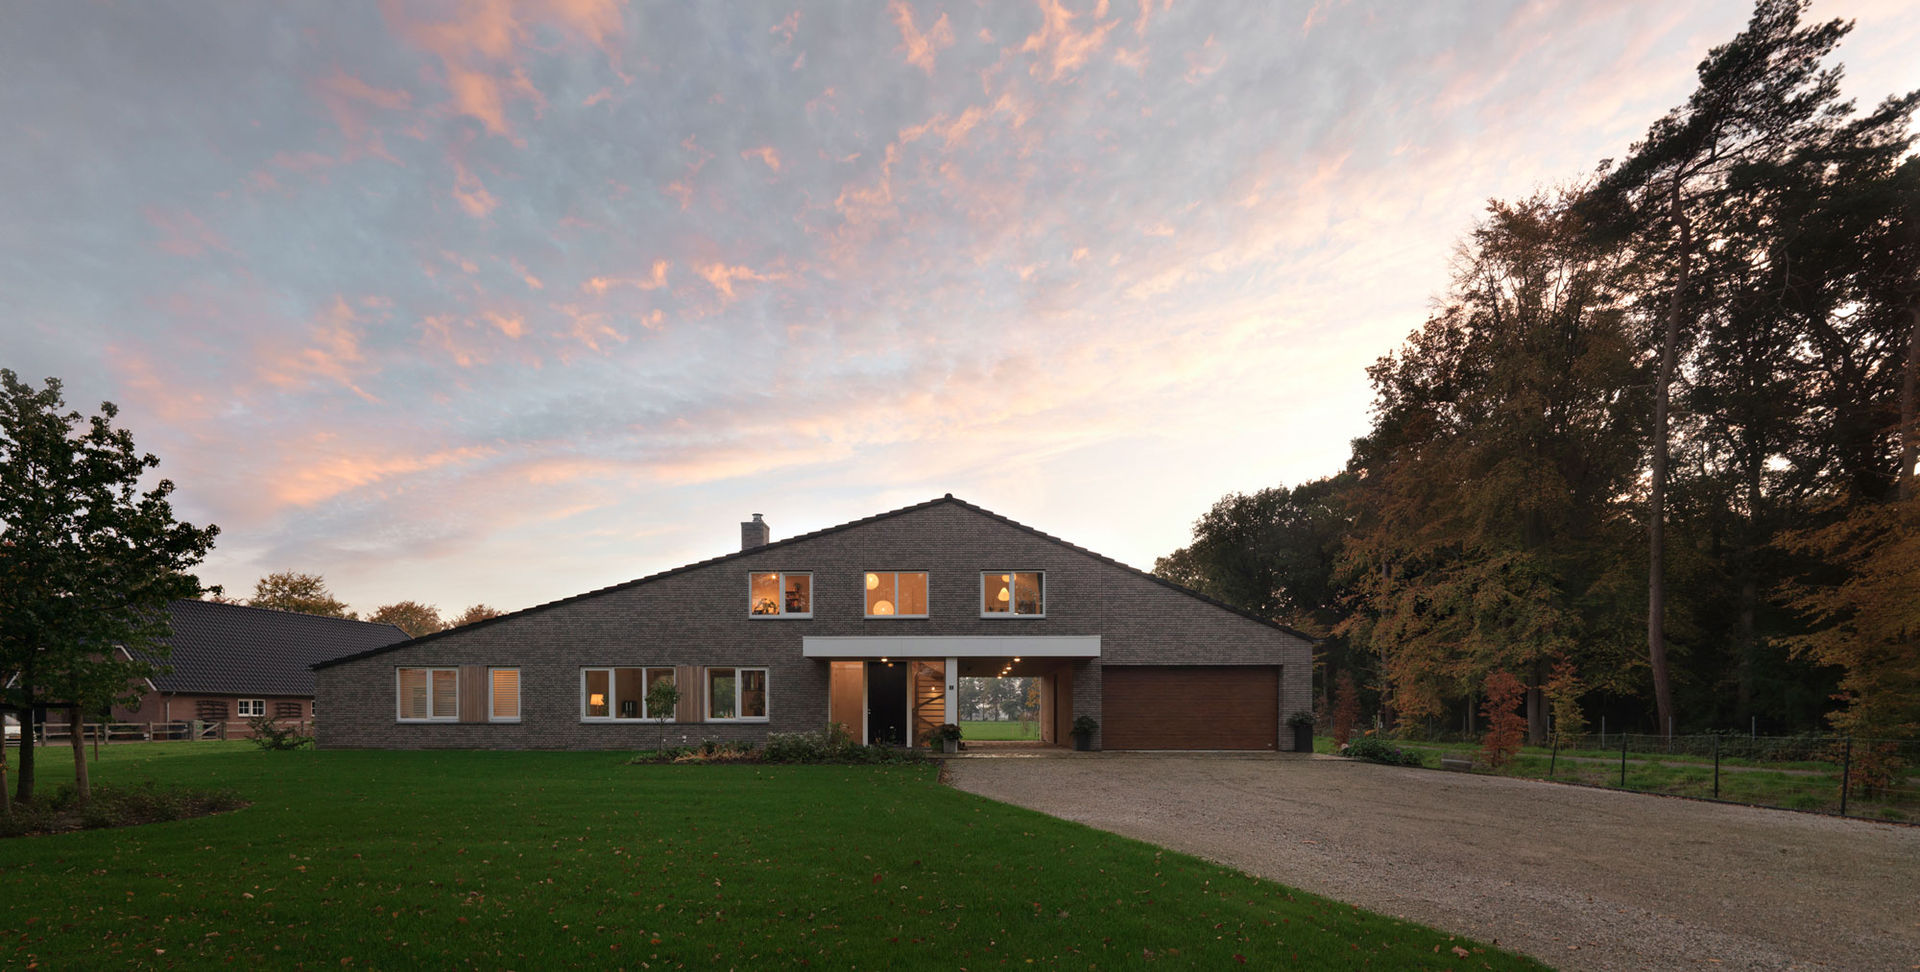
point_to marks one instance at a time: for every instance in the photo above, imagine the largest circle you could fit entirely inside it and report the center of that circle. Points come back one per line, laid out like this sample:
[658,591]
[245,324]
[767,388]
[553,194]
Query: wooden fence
[45,733]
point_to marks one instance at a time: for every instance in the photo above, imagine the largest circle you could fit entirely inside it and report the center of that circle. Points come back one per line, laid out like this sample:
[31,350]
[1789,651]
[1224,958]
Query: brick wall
[699,617]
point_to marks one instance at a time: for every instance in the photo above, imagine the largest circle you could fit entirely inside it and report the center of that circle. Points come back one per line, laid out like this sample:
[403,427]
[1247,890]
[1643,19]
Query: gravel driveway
[1579,878]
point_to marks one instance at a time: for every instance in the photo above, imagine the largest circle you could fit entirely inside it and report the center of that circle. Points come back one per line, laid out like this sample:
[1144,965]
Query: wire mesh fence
[1826,774]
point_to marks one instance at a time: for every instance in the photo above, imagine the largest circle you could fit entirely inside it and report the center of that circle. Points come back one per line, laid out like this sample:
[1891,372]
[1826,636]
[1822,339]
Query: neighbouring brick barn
[869,624]
[229,663]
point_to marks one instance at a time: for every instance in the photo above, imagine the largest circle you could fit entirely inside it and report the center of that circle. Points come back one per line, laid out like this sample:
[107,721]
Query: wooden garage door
[1227,707]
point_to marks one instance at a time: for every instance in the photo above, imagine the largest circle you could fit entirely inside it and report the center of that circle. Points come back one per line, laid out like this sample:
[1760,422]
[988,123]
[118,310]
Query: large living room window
[613,694]
[896,594]
[736,695]
[429,694]
[775,594]
[1005,593]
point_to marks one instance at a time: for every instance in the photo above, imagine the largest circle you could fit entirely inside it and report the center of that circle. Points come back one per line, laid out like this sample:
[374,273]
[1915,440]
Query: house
[229,662]
[869,624]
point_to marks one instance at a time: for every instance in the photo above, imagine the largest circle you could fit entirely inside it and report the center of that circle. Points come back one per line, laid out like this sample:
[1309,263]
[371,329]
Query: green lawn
[999,730]
[548,860]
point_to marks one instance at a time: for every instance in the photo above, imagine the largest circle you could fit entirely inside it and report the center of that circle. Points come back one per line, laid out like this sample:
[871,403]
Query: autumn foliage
[1506,727]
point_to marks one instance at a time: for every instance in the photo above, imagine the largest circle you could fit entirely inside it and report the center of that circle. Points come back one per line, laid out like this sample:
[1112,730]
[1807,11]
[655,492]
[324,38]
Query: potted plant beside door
[946,736]
[1083,730]
[1302,724]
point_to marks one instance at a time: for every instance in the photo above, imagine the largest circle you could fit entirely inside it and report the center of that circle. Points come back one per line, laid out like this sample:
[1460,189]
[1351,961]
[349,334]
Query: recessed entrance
[887,703]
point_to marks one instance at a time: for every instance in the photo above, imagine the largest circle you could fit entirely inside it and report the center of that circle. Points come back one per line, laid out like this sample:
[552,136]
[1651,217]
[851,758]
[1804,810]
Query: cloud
[332,352]
[722,277]
[767,154]
[1061,48]
[470,193]
[183,233]
[655,280]
[920,48]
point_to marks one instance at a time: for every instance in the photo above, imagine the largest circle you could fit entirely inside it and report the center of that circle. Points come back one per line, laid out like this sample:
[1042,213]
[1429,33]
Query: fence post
[1553,756]
[1716,767]
[1846,775]
[1623,760]
[98,731]
[1603,732]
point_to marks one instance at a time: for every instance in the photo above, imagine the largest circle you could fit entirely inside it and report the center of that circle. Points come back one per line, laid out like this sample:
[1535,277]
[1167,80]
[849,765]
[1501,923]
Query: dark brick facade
[698,616]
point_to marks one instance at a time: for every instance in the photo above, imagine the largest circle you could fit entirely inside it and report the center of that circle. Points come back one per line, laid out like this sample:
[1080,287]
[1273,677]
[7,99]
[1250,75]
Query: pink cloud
[653,281]
[470,193]
[352,102]
[328,468]
[722,277]
[183,233]
[333,353]
[786,28]
[1059,45]
[920,47]
[766,154]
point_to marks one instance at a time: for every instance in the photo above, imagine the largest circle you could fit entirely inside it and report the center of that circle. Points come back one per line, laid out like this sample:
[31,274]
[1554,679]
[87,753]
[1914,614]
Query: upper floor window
[780,594]
[429,694]
[1013,592]
[896,594]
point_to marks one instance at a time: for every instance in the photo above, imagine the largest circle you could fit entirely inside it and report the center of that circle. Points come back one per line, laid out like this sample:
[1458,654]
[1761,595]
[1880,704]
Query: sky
[500,302]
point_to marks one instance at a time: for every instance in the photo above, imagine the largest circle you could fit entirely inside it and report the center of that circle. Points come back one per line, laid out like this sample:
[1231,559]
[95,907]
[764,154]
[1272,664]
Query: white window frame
[706,690]
[252,708]
[896,595]
[399,712]
[519,697]
[1010,612]
[613,700]
[780,602]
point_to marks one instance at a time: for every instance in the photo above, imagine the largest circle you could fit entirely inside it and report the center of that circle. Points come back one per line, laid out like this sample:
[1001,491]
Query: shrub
[1376,750]
[1506,727]
[116,806]
[1300,718]
[1085,726]
[270,735]
[1563,698]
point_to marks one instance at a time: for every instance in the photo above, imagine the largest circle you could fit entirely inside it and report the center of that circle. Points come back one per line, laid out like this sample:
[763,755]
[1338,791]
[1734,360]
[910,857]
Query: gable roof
[232,649]
[775,545]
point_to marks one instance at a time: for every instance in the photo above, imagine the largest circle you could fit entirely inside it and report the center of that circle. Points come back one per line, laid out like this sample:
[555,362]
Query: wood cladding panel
[473,693]
[1217,707]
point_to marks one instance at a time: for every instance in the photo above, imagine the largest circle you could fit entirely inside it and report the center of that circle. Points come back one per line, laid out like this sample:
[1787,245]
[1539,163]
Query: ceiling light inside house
[1003,594]
[883,607]
[873,581]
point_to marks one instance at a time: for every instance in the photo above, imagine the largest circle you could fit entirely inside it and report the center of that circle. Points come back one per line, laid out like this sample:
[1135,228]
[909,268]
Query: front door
[886,703]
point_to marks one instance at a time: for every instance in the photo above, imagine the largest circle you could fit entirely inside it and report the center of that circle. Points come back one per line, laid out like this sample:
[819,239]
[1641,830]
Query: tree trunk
[1537,706]
[1657,494]
[23,791]
[76,730]
[1908,434]
[6,799]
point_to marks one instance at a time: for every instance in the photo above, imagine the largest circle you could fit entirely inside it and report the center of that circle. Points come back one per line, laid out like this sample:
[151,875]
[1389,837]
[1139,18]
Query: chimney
[755,534]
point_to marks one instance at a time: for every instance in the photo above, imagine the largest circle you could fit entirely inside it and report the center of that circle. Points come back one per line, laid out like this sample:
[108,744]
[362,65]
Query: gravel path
[1579,878]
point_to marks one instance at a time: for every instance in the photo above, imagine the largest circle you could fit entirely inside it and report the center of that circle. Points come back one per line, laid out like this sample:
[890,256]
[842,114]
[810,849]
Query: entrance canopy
[950,646]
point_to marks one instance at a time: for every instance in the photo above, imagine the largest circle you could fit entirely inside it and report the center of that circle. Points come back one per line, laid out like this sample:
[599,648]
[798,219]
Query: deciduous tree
[289,590]
[89,561]
[413,617]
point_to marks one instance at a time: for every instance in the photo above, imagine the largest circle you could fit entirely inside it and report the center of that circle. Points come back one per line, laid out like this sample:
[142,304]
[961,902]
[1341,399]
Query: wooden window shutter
[687,679]
[473,693]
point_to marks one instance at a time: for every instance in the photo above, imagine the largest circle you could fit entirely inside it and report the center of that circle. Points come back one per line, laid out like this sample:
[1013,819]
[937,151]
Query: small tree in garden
[1563,700]
[1506,727]
[662,699]
[1346,708]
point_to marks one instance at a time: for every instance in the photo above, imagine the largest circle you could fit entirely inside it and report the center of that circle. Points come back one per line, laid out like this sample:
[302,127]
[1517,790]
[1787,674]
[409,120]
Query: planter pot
[1303,739]
[1083,741]
[949,746]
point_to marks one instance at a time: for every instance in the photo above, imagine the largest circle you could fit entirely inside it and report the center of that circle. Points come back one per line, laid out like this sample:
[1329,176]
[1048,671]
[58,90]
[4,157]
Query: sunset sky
[505,301]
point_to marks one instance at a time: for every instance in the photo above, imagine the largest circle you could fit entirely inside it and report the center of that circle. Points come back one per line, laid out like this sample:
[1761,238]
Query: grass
[1792,785]
[999,730]
[546,860]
